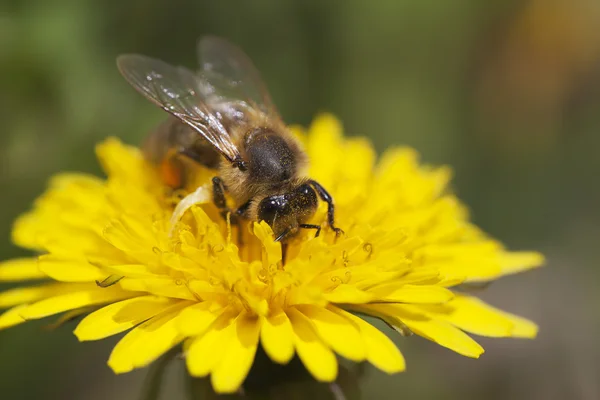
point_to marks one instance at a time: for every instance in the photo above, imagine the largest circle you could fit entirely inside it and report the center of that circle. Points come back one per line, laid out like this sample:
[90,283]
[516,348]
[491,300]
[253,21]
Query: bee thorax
[270,157]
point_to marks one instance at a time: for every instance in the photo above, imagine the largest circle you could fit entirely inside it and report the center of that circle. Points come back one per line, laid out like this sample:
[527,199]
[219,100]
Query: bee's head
[285,212]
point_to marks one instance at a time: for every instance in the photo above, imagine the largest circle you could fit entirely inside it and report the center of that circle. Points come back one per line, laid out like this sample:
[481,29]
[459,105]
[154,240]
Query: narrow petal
[167,287]
[381,351]
[12,317]
[20,269]
[433,329]
[70,301]
[229,374]
[522,327]
[475,316]
[206,351]
[348,294]
[325,148]
[336,331]
[120,160]
[119,317]
[445,335]
[132,270]
[514,262]
[196,319]
[28,294]
[276,336]
[316,356]
[272,249]
[148,341]
[422,294]
[470,269]
[69,270]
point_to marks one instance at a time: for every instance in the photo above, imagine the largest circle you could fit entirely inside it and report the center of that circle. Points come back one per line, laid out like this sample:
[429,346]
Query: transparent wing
[230,79]
[177,90]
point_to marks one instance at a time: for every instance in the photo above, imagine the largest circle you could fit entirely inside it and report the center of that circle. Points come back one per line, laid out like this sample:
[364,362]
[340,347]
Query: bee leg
[241,213]
[326,197]
[219,196]
[221,203]
[311,226]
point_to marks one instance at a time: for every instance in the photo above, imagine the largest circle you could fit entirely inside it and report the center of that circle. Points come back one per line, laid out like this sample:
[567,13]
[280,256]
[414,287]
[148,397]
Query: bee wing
[177,90]
[231,80]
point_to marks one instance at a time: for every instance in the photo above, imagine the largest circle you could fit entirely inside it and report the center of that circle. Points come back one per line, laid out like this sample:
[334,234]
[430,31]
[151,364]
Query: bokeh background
[506,91]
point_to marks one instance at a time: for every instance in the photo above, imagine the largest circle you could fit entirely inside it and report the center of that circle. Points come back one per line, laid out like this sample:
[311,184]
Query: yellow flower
[407,244]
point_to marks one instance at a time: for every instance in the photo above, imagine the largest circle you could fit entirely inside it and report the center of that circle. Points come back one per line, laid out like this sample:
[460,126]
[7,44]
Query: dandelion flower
[114,250]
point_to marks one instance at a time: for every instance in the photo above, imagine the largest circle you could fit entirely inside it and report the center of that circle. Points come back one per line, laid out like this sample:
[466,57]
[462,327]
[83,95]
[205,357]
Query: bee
[222,117]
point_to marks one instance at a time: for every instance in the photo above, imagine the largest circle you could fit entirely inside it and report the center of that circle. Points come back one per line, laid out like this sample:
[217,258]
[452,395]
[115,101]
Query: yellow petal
[433,329]
[514,262]
[325,148]
[522,327]
[318,359]
[206,351]
[122,161]
[69,301]
[348,294]
[121,316]
[196,319]
[229,374]
[473,268]
[131,270]
[133,236]
[54,211]
[416,294]
[20,269]
[167,287]
[272,248]
[28,294]
[381,351]
[475,316]
[148,341]
[336,331]
[276,338]
[69,270]
[12,317]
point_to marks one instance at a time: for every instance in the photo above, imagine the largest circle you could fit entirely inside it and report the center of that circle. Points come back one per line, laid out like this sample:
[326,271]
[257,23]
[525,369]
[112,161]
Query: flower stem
[155,376]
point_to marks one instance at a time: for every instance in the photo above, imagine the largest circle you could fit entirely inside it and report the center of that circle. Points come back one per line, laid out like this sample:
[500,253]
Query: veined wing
[177,90]
[230,81]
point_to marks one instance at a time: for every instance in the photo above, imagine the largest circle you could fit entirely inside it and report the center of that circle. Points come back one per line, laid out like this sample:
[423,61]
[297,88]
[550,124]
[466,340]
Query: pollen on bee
[170,173]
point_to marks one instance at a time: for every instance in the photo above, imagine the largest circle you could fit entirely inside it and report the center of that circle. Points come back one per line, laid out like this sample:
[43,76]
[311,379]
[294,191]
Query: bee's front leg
[219,197]
[221,203]
[326,197]
[317,228]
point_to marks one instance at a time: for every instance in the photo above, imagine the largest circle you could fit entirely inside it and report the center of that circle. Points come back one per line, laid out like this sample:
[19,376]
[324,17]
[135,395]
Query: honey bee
[223,118]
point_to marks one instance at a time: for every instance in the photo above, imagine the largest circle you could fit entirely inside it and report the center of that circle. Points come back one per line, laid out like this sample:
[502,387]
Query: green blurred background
[506,91]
